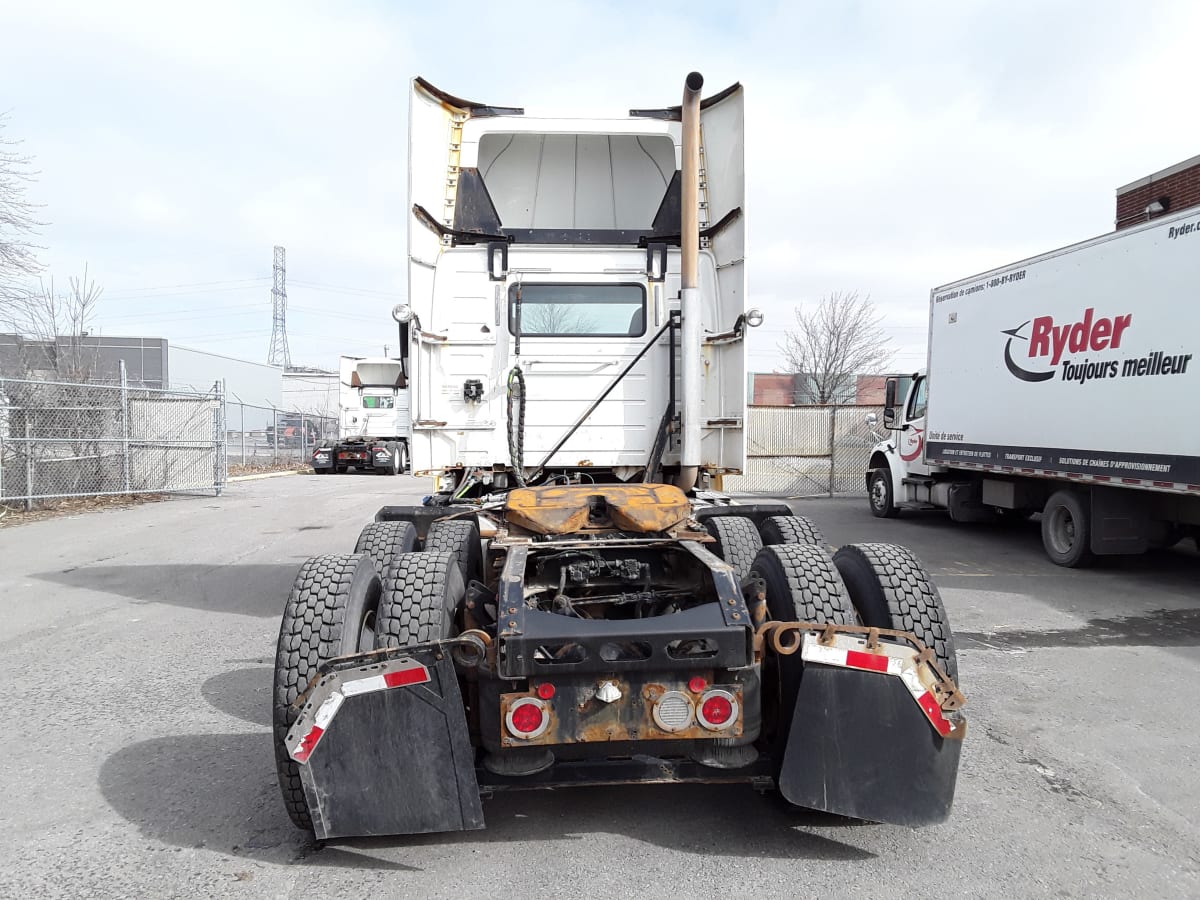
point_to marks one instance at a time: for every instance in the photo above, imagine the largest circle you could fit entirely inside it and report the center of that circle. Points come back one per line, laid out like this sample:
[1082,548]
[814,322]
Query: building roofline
[1157,176]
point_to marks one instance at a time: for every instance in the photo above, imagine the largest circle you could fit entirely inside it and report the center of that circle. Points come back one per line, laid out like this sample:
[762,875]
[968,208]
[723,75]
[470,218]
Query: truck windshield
[578,310]
[379,402]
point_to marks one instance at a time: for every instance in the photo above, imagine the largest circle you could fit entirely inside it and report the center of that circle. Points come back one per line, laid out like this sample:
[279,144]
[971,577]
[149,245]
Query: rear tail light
[717,711]
[527,718]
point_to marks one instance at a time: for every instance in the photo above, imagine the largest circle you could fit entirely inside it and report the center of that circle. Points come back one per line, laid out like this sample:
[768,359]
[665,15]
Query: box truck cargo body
[1065,384]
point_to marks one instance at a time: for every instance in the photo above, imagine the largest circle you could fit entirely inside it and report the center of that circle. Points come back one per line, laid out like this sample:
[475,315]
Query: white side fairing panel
[569,199]
[723,187]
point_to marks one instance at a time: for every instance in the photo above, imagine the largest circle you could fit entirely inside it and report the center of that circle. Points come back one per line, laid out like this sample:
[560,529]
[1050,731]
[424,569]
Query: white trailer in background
[374,421]
[1065,385]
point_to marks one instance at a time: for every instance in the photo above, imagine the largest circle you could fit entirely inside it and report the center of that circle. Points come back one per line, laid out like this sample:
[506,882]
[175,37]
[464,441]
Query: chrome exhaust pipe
[690,369]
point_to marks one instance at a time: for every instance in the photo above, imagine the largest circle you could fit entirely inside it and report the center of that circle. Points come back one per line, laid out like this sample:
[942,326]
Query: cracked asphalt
[136,758]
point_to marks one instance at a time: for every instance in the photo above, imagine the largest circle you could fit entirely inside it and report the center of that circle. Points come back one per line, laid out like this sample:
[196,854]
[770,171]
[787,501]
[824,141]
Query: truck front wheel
[883,503]
[1067,529]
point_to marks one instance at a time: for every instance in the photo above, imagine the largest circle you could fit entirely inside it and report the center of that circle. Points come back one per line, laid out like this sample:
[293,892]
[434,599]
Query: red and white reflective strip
[849,652]
[332,693]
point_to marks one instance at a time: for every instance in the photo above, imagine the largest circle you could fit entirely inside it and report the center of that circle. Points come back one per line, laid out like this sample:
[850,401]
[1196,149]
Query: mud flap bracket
[383,749]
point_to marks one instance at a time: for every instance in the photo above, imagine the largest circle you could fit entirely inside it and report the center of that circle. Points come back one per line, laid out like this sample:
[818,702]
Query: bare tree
[18,220]
[56,324]
[834,342]
[554,318]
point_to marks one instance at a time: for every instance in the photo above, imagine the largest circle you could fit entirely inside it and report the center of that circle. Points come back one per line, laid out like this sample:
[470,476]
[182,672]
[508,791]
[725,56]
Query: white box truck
[1064,385]
[374,418]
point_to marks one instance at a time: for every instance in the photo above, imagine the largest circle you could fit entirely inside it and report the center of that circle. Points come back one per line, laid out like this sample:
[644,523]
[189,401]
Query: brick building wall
[1178,187]
[775,390]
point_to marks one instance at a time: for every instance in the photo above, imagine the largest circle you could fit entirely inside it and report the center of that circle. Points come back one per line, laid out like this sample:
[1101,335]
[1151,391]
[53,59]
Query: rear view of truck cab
[577,604]
[568,229]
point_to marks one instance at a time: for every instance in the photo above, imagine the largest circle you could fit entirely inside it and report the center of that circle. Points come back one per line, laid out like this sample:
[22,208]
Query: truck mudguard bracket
[383,748]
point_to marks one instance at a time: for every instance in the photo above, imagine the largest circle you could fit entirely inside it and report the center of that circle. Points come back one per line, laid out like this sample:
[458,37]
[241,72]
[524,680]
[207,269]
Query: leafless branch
[834,342]
[18,217]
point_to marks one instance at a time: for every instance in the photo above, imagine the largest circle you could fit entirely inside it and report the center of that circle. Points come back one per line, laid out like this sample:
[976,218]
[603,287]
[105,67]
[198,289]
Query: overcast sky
[892,146]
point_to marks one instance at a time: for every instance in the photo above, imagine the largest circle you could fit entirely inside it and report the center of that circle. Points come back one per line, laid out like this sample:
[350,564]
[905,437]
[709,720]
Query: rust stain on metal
[566,509]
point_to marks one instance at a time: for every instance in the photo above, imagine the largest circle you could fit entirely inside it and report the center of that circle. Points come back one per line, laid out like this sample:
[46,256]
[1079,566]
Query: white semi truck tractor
[575,604]
[374,419]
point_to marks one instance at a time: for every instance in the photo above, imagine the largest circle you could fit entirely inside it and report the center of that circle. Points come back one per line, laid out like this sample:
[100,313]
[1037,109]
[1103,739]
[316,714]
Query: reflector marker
[405,674]
[888,662]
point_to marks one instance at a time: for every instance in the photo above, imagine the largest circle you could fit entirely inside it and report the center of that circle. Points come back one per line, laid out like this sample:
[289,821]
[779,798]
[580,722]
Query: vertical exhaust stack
[689,299]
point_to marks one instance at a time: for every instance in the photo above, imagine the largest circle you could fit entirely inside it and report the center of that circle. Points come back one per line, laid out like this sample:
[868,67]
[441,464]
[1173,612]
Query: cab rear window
[578,310]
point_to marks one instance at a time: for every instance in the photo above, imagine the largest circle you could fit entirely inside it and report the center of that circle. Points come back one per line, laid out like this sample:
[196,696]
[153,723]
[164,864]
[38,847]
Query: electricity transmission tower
[279,355]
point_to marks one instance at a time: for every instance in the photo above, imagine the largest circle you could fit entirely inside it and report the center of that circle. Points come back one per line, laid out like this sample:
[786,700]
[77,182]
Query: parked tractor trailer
[1063,385]
[574,605]
[374,421]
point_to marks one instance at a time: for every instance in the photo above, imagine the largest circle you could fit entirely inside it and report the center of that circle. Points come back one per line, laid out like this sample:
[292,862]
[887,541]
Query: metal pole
[832,431]
[689,293]
[303,437]
[242,426]
[125,426]
[28,464]
[224,432]
[274,435]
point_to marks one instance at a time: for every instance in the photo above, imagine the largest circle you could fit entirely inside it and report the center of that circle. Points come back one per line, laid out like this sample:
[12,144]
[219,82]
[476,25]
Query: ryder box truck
[1065,385]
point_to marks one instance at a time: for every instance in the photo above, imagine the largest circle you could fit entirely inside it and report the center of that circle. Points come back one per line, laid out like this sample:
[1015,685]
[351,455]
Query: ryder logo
[1048,342]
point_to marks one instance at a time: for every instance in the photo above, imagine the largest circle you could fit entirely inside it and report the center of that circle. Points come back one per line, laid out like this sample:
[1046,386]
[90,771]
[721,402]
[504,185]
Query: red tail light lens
[718,710]
[527,718]
[545,690]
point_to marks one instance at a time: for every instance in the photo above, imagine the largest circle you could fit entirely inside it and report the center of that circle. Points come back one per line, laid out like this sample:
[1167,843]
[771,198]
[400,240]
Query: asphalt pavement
[136,758]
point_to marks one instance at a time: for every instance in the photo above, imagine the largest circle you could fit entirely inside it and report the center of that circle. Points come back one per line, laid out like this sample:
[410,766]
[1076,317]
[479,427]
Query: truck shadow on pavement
[218,792]
[249,590]
[242,693]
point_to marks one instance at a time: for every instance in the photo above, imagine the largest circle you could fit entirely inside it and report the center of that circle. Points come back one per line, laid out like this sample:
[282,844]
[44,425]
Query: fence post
[303,437]
[28,465]
[125,427]
[7,415]
[242,428]
[832,433]
[274,435]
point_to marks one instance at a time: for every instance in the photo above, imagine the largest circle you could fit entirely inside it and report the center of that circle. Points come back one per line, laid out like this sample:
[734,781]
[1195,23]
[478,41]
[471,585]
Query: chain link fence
[60,440]
[806,451]
[261,436]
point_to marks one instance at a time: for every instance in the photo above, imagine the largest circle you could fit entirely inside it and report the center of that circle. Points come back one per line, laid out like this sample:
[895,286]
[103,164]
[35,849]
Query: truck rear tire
[891,589]
[790,530]
[384,541]
[460,537]
[331,611]
[1067,529]
[880,496]
[422,593]
[802,584]
[737,541]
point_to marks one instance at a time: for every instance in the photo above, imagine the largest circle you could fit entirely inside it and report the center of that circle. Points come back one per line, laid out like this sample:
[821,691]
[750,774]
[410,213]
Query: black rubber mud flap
[861,747]
[395,761]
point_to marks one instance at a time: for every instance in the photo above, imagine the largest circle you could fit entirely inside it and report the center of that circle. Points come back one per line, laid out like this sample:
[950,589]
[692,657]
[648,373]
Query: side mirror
[889,403]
